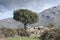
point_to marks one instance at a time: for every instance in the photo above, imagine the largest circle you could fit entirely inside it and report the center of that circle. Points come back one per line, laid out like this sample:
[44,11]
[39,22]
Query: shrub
[7,32]
[52,34]
[22,32]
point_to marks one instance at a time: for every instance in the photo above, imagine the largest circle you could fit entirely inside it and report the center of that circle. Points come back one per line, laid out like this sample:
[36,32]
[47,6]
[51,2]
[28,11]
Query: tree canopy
[26,16]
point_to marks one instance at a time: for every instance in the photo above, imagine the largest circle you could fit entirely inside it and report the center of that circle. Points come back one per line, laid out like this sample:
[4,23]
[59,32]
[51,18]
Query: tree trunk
[25,26]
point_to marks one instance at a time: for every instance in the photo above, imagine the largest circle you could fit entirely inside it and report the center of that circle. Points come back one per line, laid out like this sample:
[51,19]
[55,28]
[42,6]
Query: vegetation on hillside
[52,34]
[7,32]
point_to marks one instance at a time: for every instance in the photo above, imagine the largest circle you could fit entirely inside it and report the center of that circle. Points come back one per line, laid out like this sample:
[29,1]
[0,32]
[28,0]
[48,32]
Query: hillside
[10,23]
[51,15]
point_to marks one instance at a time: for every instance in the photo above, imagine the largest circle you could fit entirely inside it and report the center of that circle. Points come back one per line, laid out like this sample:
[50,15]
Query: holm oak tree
[25,16]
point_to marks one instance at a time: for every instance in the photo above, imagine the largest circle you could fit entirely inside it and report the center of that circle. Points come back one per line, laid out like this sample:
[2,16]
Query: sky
[8,6]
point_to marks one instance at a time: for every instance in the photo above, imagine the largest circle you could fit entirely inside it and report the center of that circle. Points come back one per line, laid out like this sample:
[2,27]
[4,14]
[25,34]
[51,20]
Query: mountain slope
[10,23]
[51,15]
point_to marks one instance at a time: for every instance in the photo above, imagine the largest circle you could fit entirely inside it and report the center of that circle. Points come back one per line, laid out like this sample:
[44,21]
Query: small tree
[25,16]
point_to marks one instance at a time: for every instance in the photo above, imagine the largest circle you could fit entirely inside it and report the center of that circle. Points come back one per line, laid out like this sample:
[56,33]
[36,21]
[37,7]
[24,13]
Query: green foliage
[52,34]
[7,32]
[25,16]
[22,32]
[21,38]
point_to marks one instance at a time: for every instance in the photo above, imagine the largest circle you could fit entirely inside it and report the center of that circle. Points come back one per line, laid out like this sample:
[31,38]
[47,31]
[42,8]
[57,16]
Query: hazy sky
[8,6]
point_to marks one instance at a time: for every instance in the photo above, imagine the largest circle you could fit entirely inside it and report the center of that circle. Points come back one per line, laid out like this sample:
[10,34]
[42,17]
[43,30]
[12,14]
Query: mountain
[10,23]
[51,15]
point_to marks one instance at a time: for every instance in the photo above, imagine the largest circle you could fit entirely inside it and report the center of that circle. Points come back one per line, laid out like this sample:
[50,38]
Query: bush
[7,32]
[52,34]
[22,32]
